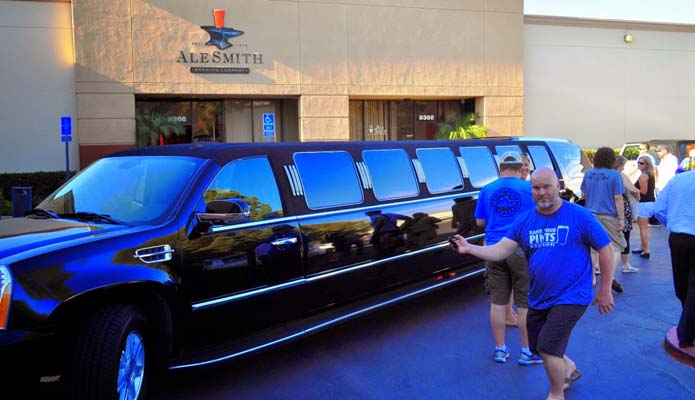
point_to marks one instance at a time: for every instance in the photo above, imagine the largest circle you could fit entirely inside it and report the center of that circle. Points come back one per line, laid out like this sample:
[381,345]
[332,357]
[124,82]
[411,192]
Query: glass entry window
[165,121]
[170,122]
[378,120]
[369,120]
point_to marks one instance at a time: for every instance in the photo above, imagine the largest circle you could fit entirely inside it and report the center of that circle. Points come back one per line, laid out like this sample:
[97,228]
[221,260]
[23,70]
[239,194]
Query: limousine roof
[224,152]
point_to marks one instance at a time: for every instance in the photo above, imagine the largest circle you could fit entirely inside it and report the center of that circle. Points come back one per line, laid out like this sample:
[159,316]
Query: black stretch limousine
[187,255]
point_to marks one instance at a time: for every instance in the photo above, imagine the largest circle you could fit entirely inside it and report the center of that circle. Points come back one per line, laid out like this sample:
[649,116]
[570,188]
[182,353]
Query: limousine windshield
[131,190]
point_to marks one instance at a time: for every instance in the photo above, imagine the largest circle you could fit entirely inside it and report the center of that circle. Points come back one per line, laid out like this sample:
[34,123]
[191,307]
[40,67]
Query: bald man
[556,237]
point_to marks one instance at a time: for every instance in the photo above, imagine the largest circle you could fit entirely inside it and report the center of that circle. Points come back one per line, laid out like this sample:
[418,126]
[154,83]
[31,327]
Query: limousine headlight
[5,295]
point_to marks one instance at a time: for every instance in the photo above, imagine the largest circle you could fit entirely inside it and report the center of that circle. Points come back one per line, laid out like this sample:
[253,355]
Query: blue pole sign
[65,129]
[66,137]
[269,125]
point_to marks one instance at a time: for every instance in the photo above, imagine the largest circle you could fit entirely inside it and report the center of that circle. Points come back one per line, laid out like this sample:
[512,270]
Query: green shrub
[42,184]
[631,153]
[5,205]
[461,127]
[590,154]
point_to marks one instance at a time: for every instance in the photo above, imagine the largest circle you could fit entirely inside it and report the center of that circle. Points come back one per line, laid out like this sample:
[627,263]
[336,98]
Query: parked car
[182,256]
[678,147]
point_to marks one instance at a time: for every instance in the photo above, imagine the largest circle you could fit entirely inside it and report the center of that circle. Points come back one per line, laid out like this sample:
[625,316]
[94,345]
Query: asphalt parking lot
[440,347]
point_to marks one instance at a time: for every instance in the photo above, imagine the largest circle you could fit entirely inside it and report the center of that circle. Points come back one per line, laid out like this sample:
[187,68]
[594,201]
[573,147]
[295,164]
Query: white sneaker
[629,268]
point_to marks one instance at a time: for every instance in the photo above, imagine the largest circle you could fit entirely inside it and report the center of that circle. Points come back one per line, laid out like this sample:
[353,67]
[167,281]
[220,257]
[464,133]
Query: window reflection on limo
[180,256]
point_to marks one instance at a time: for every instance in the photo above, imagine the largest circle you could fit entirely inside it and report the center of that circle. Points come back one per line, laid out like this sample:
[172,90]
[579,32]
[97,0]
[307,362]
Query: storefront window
[164,121]
[170,122]
[158,123]
[426,119]
[207,121]
[403,119]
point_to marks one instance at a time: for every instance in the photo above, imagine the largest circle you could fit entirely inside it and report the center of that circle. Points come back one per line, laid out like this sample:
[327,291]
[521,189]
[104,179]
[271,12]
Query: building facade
[145,72]
[37,86]
[318,70]
[171,71]
[607,82]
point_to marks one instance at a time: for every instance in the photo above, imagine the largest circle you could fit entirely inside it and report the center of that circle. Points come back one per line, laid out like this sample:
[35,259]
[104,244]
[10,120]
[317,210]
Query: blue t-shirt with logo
[557,250]
[599,186]
[500,203]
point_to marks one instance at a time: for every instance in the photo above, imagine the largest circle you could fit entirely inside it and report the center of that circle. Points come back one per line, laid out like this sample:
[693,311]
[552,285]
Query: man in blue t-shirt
[556,237]
[603,190]
[498,205]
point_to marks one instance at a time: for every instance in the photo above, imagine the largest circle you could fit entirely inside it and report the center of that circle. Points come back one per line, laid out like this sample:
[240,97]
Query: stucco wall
[322,52]
[586,84]
[37,85]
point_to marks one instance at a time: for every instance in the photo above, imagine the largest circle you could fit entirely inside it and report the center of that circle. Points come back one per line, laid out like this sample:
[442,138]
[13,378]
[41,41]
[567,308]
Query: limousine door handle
[284,241]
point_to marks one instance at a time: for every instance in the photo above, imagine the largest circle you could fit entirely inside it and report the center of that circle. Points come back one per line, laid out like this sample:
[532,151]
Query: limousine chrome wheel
[131,370]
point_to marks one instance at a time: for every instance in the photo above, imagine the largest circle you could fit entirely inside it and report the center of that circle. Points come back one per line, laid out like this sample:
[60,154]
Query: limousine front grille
[293,178]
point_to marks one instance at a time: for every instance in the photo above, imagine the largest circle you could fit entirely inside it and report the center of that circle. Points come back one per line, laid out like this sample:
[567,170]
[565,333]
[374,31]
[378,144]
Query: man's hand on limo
[459,244]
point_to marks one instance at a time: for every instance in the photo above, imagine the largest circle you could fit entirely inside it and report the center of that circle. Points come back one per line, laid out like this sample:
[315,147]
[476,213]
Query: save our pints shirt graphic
[549,236]
[557,250]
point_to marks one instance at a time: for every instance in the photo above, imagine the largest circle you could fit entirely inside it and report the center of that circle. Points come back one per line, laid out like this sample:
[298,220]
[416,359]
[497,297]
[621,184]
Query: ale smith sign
[228,58]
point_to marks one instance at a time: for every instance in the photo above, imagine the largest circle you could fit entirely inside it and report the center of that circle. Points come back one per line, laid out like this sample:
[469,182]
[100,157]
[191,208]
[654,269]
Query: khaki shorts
[610,225]
[503,276]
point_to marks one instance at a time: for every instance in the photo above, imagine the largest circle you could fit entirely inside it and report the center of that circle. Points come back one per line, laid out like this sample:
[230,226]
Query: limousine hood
[22,234]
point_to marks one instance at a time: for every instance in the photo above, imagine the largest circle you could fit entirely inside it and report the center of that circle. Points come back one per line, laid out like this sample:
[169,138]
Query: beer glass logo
[562,232]
[219,34]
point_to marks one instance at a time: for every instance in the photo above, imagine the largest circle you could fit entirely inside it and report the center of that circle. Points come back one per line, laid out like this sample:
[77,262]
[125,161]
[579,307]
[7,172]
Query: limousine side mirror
[222,212]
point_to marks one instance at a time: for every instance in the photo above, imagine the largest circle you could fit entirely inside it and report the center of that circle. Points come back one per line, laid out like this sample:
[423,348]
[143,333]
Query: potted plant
[152,127]
[461,127]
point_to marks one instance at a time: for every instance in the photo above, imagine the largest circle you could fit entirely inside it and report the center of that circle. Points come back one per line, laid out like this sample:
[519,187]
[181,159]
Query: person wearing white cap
[498,205]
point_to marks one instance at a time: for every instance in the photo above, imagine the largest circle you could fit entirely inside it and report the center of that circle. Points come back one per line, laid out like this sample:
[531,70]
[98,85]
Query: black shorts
[549,330]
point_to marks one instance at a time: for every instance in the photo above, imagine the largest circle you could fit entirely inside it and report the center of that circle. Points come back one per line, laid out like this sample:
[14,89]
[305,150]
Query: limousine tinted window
[441,172]
[568,157]
[391,172]
[479,165]
[540,157]
[329,179]
[503,149]
[251,180]
[131,190]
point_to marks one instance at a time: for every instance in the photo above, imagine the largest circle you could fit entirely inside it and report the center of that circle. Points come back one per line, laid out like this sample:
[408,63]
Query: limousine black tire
[109,338]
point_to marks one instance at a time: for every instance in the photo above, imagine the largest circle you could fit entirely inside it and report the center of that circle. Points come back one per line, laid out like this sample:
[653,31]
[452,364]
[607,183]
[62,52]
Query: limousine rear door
[336,228]
[243,259]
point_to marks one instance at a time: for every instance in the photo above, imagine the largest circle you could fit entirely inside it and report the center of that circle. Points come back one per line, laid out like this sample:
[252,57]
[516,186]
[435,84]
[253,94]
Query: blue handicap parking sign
[268,124]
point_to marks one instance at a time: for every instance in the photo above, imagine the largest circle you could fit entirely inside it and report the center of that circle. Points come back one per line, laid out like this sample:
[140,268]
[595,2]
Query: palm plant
[151,124]
[461,127]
